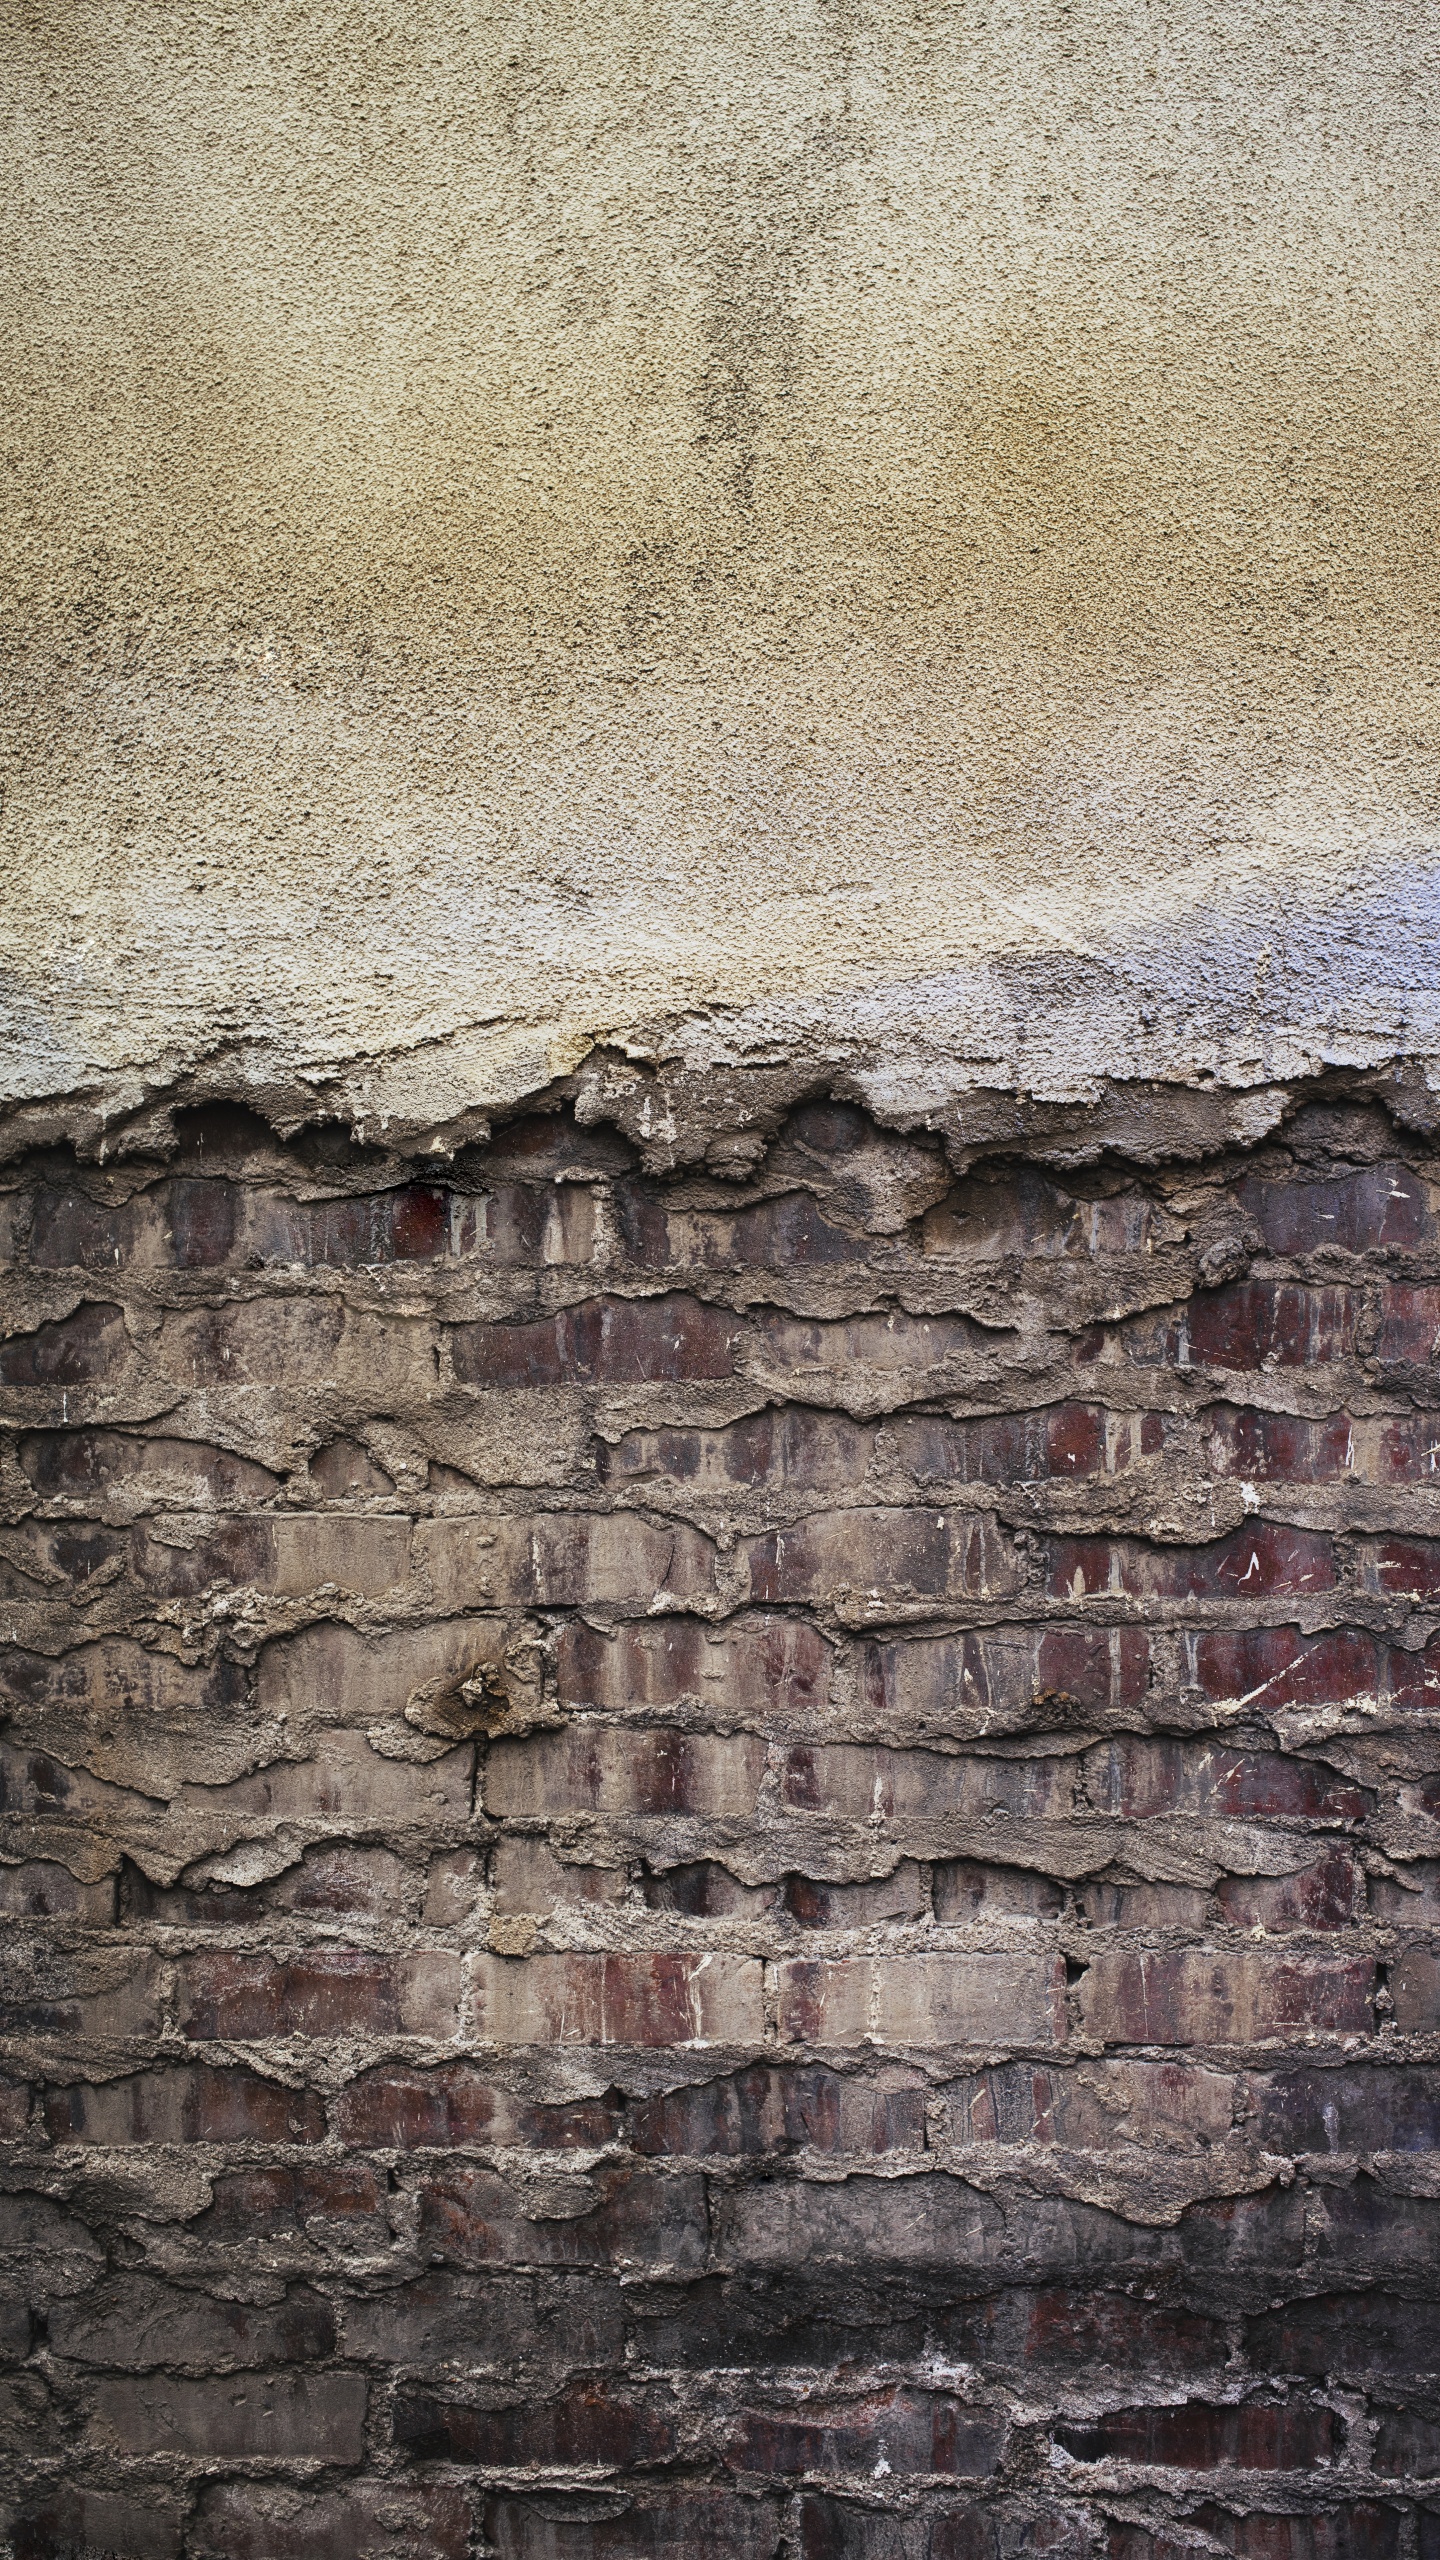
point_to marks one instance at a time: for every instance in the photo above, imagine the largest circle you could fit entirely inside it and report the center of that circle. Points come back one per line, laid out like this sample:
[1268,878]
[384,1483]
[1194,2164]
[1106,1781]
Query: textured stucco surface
[890,534]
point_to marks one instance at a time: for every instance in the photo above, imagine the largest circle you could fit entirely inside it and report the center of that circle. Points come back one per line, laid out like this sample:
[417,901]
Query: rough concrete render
[720,1199]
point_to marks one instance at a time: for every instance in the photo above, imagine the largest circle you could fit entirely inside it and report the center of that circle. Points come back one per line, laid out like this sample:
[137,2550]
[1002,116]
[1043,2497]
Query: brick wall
[723,1866]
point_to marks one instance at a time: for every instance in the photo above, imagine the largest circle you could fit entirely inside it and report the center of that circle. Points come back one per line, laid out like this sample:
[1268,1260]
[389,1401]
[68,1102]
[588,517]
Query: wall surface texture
[720,1214]
[742,1867]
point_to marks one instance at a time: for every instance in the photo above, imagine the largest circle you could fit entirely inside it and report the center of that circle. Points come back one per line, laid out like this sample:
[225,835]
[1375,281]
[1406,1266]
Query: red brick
[980,1681]
[1059,1443]
[564,1559]
[1275,1667]
[774,1666]
[1254,1563]
[1252,1324]
[519,1224]
[636,1999]
[92,1343]
[833,2529]
[319,2417]
[469,2218]
[365,2520]
[1285,1448]
[1145,1774]
[922,2000]
[1330,1894]
[1409,1323]
[1405,1568]
[1255,2436]
[787,1232]
[764,2109]
[411,1224]
[608,1769]
[591,2425]
[1197,1996]
[601,1342]
[404,2108]
[189,2104]
[906,2430]
[1347,2532]
[1364,1212]
[877,1554]
[321,1994]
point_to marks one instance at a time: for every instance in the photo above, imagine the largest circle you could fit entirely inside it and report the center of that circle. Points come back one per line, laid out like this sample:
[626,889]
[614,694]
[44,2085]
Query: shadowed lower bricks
[686,1869]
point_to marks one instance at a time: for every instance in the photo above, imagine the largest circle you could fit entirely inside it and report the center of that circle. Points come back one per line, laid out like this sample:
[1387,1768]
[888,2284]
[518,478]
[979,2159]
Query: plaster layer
[860,533]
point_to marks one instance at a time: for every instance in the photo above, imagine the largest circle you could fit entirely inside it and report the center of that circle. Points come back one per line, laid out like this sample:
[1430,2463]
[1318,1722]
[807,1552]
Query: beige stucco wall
[897,529]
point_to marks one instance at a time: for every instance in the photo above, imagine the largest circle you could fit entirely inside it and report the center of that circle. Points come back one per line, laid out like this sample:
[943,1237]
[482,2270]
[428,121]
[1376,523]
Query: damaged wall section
[723,1865]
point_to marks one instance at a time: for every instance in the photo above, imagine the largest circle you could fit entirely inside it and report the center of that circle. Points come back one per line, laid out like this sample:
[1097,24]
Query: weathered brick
[404,2107]
[297,1342]
[601,1342]
[924,2431]
[324,1993]
[526,1876]
[979,1681]
[1407,2446]
[1407,1567]
[704,1890]
[771,1666]
[1153,1774]
[898,1896]
[850,1779]
[1251,1324]
[1330,2336]
[1274,1667]
[1415,1990]
[299,1551]
[637,1999]
[134,2324]
[39,1890]
[469,2217]
[366,2520]
[1256,2435]
[73,1352]
[922,2000]
[767,2109]
[788,1230]
[188,2103]
[1350,2109]
[1362,1212]
[655,2524]
[318,2417]
[563,1559]
[334,1675]
[1195,1996]
[1258,1562]
[146,2524]
[892,1343]
[593,2425]
[120,1466]
[785,1445]
[964,1887]
[605,1769]
[875,1555]
[1347,2532]
[1409,1322]
[1330,1894]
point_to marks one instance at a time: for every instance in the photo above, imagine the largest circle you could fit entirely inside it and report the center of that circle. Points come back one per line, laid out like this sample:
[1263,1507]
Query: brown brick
[339,2201]
[601,1342]
[605,1769]
[527,1876]
[1198,1997]
[963,1888]
[619,1999]
[772,1666]
[1345,2532]
[186,2104]
[922,2000]
[334,1675]
[563,1559]
[344,1786]
[120,1466]
[39,1890]
[317,2417]
[1255,2436]
[897,1897]
[786,1445]
[1409,1322]
[861,1783]
[366,2520]
[132,2324]
[1415,1990]
[90,1344]
[876,1555]
[892,1343]
[1253,1563]
[1330,2336]
[296,1552]
[297,1342]
[321,1994]
[1382,1205]
[145,2525]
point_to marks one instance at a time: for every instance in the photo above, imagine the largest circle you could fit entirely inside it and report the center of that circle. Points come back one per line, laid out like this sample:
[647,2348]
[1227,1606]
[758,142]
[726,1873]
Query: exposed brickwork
[703,1867]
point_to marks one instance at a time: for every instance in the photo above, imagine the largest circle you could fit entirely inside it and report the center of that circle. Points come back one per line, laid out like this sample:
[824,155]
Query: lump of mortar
[492,1698]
